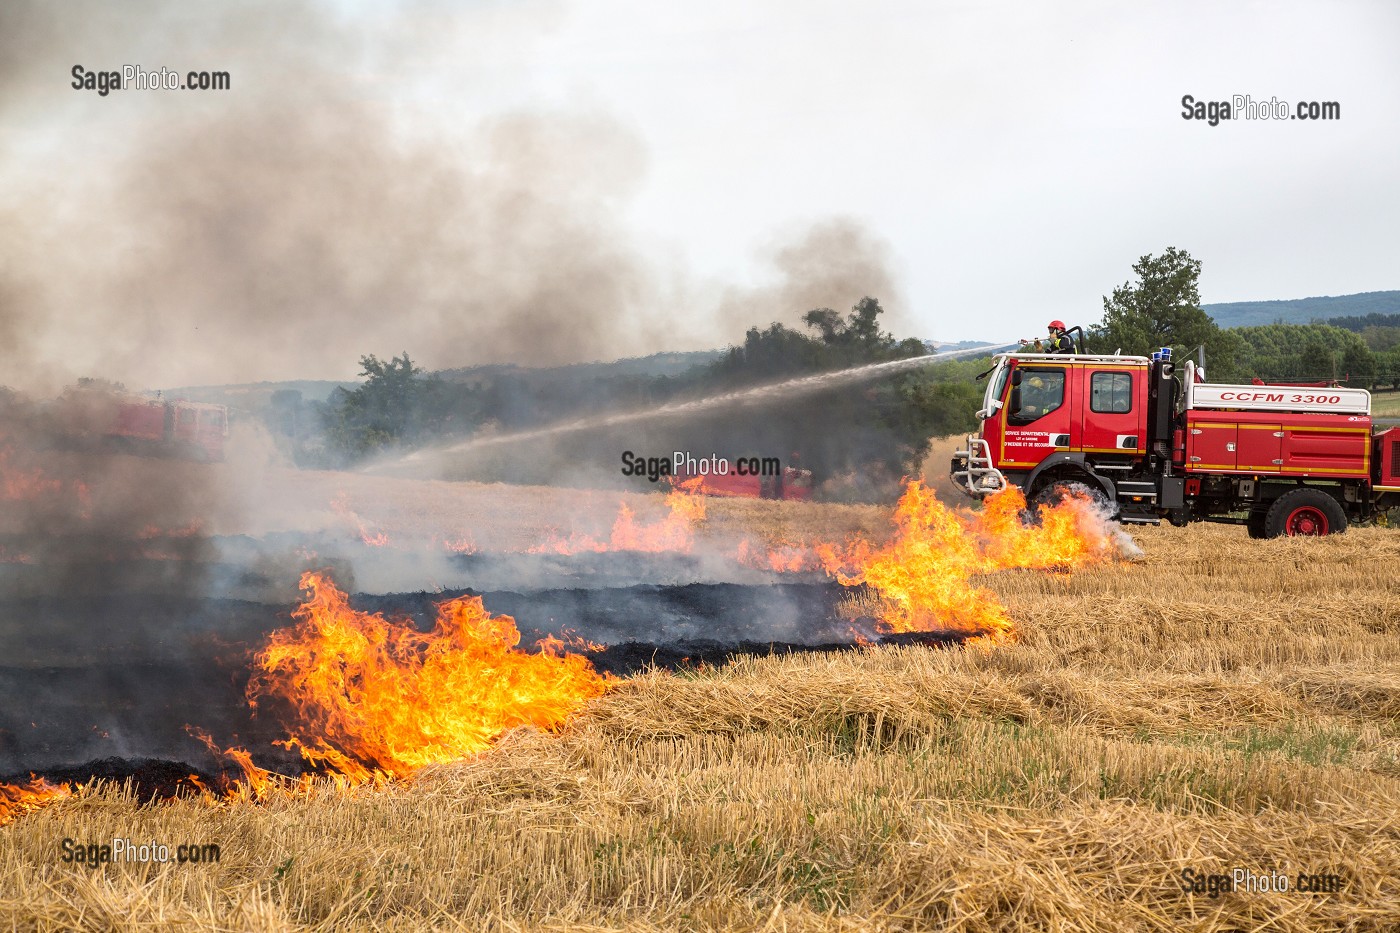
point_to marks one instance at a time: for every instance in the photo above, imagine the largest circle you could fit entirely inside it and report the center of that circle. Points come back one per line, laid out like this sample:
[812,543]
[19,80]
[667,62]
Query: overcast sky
[610,177]
[1017,157]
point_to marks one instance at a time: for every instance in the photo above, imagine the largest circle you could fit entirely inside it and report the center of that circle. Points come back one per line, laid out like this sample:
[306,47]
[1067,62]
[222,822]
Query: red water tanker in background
[780,483]
[171,428]
[100,419]
[1155,442]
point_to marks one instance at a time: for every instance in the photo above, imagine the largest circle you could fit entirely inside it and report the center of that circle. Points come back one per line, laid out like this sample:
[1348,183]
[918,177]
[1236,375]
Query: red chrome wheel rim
[1306,521]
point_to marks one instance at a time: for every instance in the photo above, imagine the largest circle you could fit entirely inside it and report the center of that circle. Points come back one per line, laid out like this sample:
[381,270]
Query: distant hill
[1303,310]
[657,364]
[253,396]
[936,346]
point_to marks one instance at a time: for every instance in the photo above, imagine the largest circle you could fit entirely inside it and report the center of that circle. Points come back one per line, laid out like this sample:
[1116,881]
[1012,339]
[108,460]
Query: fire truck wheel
[1055,493]
[1304,512]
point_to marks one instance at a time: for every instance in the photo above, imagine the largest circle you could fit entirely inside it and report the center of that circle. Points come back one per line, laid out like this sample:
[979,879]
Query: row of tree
[860,438]
[1315,353]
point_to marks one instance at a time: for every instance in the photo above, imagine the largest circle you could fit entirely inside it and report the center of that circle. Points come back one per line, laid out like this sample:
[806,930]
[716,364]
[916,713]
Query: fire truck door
[1036,420]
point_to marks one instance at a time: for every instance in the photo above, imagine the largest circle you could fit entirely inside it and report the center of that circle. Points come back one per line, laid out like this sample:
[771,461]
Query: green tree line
[864,437]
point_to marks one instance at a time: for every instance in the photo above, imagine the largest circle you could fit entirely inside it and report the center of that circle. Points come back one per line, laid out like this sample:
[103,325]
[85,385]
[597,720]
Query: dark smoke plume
[333,202]
[831,264]
[290,224]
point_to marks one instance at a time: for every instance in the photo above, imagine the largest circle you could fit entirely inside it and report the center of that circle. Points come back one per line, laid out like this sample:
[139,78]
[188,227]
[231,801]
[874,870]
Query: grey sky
[1018,157]
[605,177]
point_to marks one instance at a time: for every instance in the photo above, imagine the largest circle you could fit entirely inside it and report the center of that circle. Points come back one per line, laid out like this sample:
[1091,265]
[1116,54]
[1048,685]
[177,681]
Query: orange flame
[1068,534]
[463,544]
[925,574]
[19,799]
[340,504]
[685,506]
[153,530]
[374,699]
[13,557]
[24,482]
[254,783]
[778,558]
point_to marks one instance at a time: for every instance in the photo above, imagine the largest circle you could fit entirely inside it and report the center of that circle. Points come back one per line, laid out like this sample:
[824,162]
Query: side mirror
[1016,377]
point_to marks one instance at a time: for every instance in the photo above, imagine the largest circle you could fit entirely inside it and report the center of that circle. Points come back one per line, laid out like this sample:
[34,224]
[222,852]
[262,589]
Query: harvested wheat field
[1221,704]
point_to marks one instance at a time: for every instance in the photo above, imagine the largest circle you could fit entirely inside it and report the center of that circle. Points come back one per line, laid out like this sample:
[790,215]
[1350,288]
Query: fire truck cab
[1152,442]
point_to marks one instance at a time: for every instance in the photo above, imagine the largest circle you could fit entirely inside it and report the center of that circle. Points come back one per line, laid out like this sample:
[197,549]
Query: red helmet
[1057,325]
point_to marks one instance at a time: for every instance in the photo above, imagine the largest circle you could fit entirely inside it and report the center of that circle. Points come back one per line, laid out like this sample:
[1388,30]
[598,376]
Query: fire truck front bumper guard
[973,470]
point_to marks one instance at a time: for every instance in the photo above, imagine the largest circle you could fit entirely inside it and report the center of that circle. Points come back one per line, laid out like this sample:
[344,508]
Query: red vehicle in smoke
[189,430]
[790,483]
[743,477]
[1156,442]
[89,418]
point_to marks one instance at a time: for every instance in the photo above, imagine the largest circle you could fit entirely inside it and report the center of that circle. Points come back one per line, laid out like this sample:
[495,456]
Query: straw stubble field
[1220,704]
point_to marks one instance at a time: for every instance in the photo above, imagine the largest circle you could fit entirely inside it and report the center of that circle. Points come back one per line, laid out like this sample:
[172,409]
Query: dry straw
[1224,703]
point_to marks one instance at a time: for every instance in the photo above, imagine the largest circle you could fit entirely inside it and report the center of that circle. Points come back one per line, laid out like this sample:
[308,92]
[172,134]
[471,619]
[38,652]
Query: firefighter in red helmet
[1058,341]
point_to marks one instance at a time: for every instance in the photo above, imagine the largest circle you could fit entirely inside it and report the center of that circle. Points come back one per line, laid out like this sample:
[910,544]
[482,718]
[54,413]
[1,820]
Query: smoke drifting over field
[289,229]
[332,203]
[74,513]
[832,264]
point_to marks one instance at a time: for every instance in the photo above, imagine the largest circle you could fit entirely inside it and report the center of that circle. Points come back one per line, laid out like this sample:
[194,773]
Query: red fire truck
[99,418]
[1152,441]
[173,428]
[790,483]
